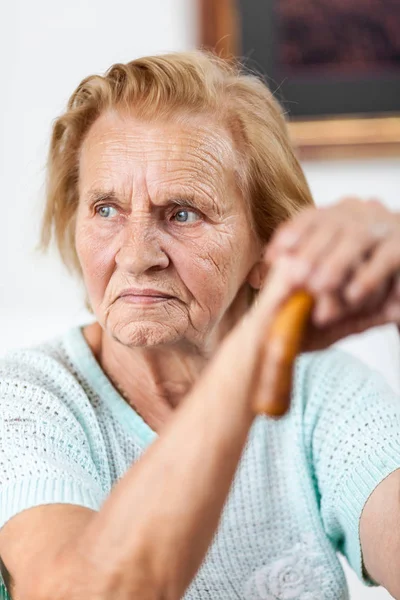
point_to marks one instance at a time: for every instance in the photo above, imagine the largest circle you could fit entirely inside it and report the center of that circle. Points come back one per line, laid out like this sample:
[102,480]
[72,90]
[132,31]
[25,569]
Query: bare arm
[380,534]
[155,527]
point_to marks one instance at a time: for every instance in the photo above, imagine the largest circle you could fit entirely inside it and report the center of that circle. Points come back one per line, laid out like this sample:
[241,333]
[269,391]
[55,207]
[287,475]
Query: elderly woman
[132,463]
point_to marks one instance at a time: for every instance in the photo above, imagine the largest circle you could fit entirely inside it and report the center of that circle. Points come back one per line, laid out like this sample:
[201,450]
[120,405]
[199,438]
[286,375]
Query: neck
[154,380]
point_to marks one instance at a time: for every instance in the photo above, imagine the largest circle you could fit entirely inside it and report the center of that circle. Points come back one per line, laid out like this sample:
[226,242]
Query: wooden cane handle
[281,348]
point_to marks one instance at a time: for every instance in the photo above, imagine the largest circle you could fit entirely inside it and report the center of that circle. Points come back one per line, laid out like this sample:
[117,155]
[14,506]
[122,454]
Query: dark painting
[326,57]
[339,37]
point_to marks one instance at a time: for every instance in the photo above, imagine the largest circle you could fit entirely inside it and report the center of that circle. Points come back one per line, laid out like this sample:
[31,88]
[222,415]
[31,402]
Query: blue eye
[104,210]
[186,216]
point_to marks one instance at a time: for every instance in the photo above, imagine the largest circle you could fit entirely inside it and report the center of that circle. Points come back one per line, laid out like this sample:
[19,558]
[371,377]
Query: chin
[144,334]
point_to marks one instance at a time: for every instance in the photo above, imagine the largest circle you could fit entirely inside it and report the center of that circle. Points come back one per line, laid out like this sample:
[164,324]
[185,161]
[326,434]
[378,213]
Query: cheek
[218,269]
[208,269]
[96,258]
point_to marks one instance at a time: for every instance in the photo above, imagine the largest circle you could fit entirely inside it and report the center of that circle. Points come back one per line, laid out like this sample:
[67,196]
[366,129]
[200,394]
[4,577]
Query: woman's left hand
[348,257]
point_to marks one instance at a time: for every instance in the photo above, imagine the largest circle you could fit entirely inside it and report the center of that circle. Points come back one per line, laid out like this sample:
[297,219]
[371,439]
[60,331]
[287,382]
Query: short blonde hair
[154,87]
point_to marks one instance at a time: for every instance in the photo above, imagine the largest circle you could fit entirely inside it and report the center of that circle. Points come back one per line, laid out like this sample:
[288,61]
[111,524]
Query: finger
[344,256]
[312,250]
[331,307]
[289,235]
[328,308]
[382,266]
[348,209]
[393,313]
[392,305]
[370,210]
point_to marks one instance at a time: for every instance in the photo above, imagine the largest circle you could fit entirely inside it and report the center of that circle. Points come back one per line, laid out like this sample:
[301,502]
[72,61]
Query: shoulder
[332,363]
[45,403]
[336,372]
[33,362]
[335,390]
[42,377]
[344,407]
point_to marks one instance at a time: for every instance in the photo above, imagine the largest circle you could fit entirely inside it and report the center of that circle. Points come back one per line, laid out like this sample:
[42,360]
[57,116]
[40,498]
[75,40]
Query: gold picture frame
[316,138]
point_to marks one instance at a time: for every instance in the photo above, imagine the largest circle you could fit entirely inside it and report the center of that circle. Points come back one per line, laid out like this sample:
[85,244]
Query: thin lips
[134,292]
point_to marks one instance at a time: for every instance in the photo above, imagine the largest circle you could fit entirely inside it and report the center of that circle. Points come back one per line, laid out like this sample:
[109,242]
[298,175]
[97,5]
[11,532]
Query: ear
[258,273]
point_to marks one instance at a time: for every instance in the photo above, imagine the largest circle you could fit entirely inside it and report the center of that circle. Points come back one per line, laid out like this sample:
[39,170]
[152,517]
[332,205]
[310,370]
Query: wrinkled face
[159,214]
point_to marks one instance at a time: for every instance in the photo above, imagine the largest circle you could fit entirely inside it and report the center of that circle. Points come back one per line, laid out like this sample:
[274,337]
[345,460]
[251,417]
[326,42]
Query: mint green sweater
[66,435]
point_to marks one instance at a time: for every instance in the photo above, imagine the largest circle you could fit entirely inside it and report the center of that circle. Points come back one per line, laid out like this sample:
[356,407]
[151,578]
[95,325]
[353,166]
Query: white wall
[46,48]
[332,180]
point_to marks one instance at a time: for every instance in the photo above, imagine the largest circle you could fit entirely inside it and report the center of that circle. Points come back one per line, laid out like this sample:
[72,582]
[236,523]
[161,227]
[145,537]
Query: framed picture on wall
[334,65]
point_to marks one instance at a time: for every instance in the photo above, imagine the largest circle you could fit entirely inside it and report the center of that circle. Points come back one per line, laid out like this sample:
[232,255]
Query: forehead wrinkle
[195,133]
[192,175]
[205,171]
[212,197]
[192,170]
[204,156]
[201,160]
[213,151]
[212,188]
[201,144]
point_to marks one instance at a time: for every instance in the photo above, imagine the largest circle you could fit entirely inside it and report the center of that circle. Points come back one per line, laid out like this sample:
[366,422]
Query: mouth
[144,296]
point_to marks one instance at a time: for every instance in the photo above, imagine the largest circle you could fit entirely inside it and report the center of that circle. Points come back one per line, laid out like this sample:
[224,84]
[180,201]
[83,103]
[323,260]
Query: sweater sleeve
[352,434]
[45,456]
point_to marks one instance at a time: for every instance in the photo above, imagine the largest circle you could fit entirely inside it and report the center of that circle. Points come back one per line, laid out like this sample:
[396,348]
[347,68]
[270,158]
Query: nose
[141,248]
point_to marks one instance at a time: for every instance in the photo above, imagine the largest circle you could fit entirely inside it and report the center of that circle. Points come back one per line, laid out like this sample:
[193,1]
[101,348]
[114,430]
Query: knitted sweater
[66,435]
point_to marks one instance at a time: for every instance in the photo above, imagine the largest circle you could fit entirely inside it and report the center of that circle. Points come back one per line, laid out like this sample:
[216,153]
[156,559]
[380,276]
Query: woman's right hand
[164,500]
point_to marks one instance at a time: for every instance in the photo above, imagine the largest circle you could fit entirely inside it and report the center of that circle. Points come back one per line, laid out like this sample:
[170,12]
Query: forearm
[164,511]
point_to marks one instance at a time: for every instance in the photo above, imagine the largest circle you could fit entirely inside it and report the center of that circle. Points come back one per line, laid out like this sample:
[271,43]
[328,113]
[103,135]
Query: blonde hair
[155,87]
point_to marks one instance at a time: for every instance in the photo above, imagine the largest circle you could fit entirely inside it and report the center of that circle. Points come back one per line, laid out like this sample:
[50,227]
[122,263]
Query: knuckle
[375,202]
[350,201]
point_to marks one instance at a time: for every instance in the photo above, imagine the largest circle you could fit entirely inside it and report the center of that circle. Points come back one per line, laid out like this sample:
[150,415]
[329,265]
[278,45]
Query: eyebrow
[99,195]
[190,199]
[199,202]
